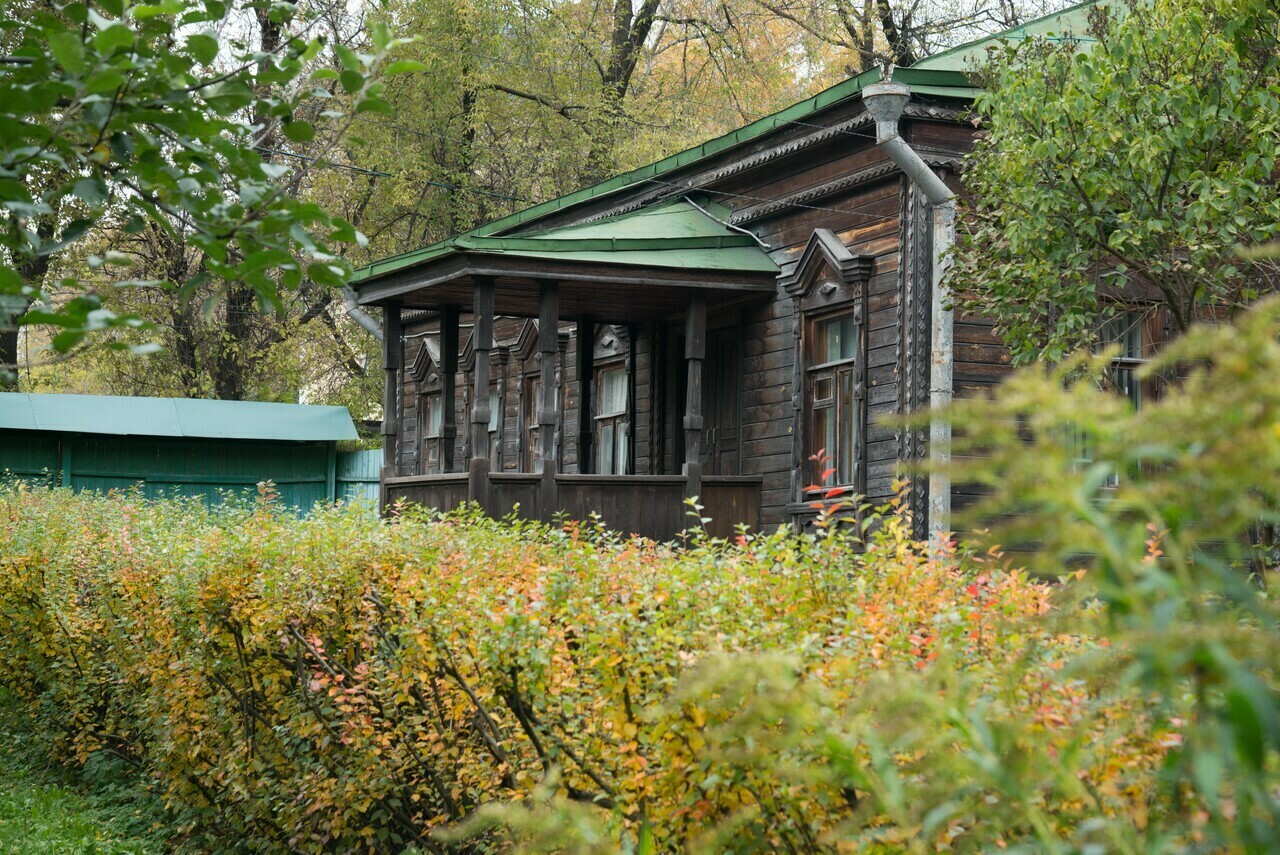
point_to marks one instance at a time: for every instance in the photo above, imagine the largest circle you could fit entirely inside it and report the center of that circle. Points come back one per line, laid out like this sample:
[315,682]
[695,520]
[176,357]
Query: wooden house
[702,326]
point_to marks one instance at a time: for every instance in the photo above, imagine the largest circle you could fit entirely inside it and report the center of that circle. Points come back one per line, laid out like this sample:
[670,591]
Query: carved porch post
[448,386]
[482,336]
[548,344]
[391,394]
[695,351]
[499,454]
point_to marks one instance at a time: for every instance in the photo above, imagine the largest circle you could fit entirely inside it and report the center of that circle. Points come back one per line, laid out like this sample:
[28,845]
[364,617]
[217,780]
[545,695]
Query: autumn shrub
[338,683]
[1165,508]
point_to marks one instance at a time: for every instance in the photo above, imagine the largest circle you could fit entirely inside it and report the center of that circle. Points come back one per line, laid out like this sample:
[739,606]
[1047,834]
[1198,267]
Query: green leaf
[153,10]
[262,259]
[374,105]
[203,47]
[113,38]
[348,58]
[229,96]
[67,339]
[326,274]
[352,81]
[68,50]
[93,190]
[403,66]
[299,132]
[1246,725]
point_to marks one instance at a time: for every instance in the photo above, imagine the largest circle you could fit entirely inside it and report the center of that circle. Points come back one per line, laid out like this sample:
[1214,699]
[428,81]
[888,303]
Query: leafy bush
[1175,505]
[337,683]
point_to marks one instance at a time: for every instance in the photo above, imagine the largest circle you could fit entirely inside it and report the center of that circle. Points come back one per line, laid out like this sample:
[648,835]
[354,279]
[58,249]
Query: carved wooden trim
[825,252]
[915,302]
[426,363]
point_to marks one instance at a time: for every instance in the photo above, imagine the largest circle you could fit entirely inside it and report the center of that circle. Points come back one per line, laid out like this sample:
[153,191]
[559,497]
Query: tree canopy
[1140,163]
[199,188]
[153,119]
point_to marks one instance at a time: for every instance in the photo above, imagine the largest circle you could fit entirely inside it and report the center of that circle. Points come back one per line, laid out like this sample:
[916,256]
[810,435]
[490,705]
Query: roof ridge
[969,45]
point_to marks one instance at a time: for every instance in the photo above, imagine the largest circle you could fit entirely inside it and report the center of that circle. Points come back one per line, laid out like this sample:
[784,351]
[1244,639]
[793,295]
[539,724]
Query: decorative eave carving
[668,188]
[825,253]
[467,359]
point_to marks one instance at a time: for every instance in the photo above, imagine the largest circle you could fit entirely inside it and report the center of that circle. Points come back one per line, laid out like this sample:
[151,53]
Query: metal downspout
[885,102]
[358,315]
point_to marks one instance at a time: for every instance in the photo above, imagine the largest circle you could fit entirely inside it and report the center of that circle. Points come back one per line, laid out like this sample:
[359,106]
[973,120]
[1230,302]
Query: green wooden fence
[303,473]
[358,473]
[184,447]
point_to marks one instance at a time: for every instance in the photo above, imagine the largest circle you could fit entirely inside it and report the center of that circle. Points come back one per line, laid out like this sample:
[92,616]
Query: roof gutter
[885,102]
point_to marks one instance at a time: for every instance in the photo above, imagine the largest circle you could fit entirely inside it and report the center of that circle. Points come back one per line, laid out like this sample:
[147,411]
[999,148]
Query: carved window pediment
[828,274]
[467,359]
[425,368]
[612,342]
[526,346]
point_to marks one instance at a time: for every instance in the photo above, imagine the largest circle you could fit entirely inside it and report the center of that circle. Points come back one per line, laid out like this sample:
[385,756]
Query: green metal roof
[680,233]
[943,80]
[944,75]
[173,417]
[1071,24]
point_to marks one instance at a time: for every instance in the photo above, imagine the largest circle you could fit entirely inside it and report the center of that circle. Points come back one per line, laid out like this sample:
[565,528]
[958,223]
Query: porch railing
[649,505]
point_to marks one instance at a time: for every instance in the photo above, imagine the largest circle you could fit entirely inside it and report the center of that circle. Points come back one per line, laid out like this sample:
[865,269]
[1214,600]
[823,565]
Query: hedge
[339,683]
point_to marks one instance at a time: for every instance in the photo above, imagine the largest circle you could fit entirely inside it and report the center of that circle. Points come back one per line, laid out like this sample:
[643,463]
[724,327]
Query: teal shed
[178,446]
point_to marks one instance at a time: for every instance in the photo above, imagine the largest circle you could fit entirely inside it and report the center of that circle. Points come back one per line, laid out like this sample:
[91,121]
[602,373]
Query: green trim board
[173,417]
[738,259]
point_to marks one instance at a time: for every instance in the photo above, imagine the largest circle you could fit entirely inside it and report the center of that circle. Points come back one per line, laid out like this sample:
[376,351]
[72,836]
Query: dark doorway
[721,402]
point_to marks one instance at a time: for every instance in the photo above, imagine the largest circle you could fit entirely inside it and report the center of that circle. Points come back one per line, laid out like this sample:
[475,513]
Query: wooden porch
[669,280]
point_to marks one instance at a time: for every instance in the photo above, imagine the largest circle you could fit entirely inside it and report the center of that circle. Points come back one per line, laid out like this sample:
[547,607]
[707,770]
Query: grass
[43,809]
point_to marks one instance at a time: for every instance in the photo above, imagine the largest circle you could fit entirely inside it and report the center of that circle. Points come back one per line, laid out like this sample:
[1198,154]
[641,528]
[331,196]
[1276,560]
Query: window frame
[618,422]
[1149,323]
[848,395]
[429,439]
[1143,321]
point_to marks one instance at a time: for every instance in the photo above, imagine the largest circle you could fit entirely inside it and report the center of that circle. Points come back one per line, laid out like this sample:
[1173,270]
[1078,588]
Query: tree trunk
[32,271]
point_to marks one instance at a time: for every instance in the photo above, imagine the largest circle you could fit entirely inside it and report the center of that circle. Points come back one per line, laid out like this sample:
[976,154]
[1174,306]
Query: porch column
[695,350]
[448,386]
[548,345]
[482,338]
[562,381]
[586,407]
[499,454]
[391,394]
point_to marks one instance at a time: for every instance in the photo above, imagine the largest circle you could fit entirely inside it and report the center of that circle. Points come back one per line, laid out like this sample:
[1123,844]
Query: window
[432,420]
[495,408]
[495,423]
[834,394]
[613,429]
[1126,330]
[530,430]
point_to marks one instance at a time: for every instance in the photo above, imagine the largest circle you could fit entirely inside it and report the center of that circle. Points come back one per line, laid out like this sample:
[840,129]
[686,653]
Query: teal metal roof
[173,417]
